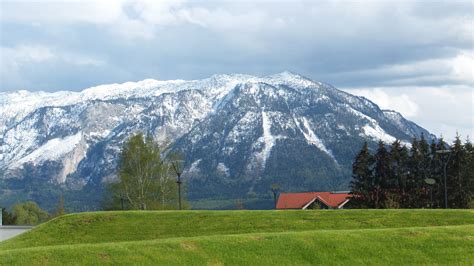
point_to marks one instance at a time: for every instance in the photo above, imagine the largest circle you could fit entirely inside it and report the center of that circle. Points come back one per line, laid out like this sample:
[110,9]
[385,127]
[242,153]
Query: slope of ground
[249,237]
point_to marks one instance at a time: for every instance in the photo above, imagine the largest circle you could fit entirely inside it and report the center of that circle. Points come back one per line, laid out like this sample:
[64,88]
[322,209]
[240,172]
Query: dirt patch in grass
[258,238]
[101,218]
[215,263]
[103,256]
[186,245]
[415,233]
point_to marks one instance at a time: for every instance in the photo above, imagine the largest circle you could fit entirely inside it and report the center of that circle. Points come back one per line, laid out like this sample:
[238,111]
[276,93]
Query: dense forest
[413,176]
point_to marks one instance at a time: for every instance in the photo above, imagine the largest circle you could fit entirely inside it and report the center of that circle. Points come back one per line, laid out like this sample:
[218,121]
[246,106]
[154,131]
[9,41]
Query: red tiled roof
[299,200]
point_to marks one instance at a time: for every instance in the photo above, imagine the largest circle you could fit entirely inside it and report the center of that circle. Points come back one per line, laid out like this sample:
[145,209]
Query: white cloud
[24,54]
[398,102]
[463,67]
[27,55]
[458,69]
[63,11]
[443,110]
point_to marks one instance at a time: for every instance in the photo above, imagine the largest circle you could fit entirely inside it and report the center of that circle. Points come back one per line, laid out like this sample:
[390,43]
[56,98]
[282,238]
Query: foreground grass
[435,245]
[249,237]
[102,227]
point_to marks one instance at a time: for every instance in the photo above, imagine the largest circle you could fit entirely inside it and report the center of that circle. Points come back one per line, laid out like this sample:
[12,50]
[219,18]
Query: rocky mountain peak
[238,133]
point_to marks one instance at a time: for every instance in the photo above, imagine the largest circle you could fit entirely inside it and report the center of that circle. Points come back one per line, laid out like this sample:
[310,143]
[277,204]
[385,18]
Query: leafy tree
[8,218]
[362,183]
[144,176]
[28,213]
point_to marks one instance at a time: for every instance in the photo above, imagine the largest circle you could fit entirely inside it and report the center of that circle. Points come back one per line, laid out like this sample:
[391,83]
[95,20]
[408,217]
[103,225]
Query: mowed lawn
[249,237]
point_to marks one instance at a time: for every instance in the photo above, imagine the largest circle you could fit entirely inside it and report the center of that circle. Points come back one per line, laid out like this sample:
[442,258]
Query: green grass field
[249,238]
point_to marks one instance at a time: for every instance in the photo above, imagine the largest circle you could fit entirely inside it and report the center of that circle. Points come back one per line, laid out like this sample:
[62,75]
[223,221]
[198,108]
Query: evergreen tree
[362,178]
[458,179]
[414,182]
[439,159]
[424,171]
[468,174]
[436,172]
[399,171]
[381,175]
[402,178]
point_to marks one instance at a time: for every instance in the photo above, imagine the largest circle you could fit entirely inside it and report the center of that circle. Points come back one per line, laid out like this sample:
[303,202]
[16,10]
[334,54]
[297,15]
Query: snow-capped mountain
[238,133]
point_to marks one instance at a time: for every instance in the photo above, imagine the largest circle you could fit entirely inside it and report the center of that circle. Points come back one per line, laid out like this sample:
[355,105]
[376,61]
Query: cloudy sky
[416,57]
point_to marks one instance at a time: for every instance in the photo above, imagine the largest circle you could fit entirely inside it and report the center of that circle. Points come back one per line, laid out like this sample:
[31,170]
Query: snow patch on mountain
[268,138]
[360,114]
[221,167]
[378,133]
[194,168]
[292,79]
[52,150]
[311,137]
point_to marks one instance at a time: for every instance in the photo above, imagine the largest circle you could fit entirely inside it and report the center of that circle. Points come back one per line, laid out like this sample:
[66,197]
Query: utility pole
[179,189]
[445,165]
[177,166]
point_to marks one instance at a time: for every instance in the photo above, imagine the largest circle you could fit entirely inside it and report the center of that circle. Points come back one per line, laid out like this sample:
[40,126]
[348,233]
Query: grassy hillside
[243,237]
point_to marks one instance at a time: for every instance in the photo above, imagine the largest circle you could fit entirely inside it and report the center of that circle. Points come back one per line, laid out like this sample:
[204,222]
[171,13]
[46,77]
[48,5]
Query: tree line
[29,213]
[397,176]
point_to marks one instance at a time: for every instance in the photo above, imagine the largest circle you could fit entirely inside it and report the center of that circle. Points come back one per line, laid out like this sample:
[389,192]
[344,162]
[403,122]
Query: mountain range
[238,135]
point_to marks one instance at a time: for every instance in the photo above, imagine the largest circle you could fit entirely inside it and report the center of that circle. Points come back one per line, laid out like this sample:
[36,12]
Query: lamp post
[177,166]
[445,165]
[431,182]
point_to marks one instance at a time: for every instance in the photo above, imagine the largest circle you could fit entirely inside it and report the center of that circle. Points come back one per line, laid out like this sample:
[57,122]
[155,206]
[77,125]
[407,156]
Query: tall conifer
[381,175]
[362,178]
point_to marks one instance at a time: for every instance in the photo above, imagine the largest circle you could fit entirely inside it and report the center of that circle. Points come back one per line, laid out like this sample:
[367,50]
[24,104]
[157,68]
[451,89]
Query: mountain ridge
[238,133]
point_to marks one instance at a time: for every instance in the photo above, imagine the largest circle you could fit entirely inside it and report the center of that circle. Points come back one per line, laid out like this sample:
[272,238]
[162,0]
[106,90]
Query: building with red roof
[313,200]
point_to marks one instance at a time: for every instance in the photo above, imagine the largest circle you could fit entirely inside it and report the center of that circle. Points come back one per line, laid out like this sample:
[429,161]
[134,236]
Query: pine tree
[424,172]
[436,172]
[399,171]
[468,174]
[413,180]
[362,178]
[381,175]
[439,159]
[458,182]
